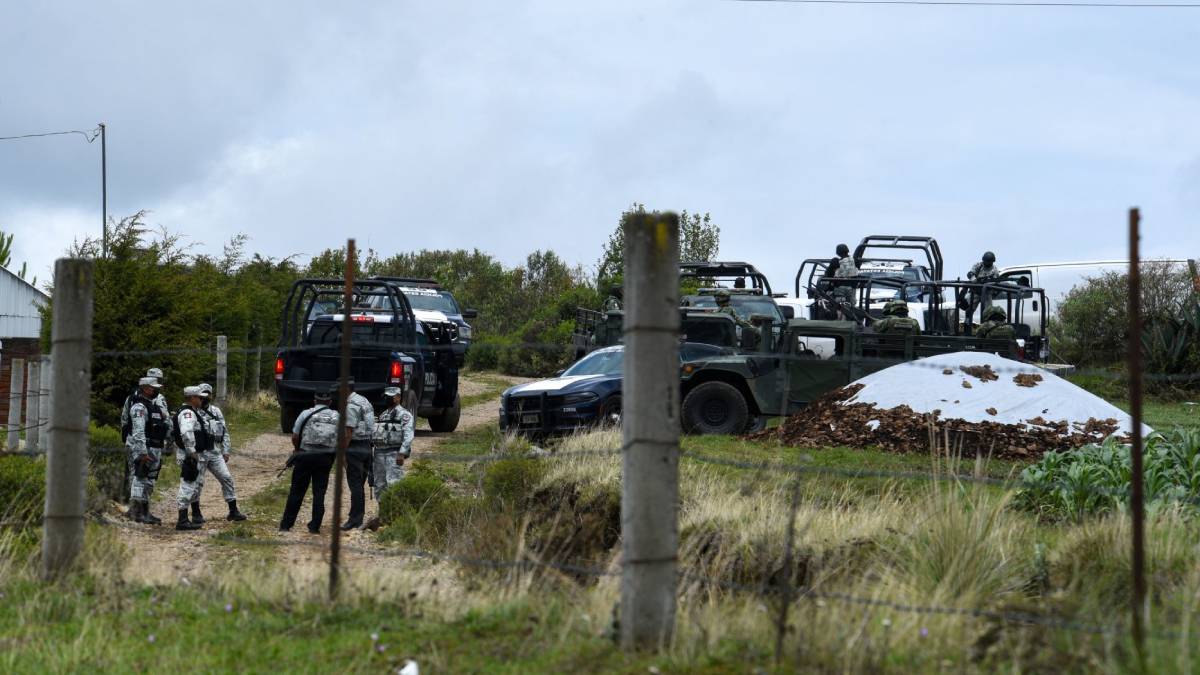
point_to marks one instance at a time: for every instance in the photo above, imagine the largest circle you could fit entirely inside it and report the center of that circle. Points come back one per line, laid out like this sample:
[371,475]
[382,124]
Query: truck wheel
[757,424]
[715,408]
[287,417]
[610,411]
[448,420]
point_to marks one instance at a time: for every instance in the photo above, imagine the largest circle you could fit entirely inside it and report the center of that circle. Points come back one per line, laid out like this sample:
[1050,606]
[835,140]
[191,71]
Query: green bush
[421,510]
[22,488]
[107,461]
[1096,478]
[510,481]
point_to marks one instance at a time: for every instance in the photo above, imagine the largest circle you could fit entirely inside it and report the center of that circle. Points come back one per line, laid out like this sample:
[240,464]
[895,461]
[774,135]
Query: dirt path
[162,555]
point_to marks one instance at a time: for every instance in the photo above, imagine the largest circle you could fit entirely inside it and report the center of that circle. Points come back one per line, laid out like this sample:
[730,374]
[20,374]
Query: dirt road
[163,555]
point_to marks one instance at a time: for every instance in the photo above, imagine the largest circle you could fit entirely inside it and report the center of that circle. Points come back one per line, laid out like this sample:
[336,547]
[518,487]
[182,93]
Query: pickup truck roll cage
[929,245]
[305,295]
[411,281]
[726,270]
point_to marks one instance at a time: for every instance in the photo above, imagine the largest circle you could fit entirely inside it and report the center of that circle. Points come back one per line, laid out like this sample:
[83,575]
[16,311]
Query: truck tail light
[279,368]
[396,373]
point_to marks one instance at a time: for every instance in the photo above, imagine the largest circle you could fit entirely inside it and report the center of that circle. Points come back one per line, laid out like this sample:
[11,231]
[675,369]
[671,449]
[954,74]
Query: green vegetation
[1096,478]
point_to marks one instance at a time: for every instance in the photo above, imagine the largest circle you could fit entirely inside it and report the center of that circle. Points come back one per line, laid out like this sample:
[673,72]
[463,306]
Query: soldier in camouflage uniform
[394,431]
[995,325]
[360,428]
[149,427]
[896,320]
[216,460]
[982,272]
[724,307]
[193,444]
[314,437]
[845,269]
[160,401]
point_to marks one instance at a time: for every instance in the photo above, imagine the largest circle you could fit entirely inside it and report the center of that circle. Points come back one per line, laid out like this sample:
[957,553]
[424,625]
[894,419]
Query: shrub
[421,509]
[510,481]
[107,461]
[22,488]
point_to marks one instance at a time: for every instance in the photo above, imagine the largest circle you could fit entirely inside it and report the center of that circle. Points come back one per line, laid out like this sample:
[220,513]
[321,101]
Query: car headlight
[582,397]
[464,332]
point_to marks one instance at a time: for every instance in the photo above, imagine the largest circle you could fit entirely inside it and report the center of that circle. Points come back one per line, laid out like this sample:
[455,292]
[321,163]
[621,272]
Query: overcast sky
[511,126]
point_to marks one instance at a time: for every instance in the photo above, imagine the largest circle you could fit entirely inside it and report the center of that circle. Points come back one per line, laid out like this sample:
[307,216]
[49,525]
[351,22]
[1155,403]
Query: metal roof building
[19,303]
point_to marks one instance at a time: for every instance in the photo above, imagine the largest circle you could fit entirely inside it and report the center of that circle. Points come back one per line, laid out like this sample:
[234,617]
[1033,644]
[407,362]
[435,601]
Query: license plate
[530,418]
[430,379]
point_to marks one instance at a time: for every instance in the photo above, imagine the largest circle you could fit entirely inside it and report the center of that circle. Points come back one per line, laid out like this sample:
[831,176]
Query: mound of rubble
[970,403]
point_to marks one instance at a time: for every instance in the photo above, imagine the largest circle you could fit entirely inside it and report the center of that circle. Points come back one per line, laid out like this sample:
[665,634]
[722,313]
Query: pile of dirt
[915,407]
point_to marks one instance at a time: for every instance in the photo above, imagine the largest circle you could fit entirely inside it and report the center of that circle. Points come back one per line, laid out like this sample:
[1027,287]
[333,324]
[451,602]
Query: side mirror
[470,313]
[789,312]
[559,373]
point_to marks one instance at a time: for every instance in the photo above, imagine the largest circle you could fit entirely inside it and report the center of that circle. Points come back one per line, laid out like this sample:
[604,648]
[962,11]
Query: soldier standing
[896,320]
[216,460]
[394,431]
[192,444]
[982,272]
[724,307]
[844,269]
[314,438]
[158,399]
[149,428]
[360,427]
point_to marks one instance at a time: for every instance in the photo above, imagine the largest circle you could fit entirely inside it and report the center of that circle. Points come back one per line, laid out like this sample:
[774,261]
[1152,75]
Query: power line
[990,3]
[87,135]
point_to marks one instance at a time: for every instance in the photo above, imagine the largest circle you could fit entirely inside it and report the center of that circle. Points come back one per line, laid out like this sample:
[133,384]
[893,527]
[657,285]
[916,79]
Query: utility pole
[103,191]
[650,432]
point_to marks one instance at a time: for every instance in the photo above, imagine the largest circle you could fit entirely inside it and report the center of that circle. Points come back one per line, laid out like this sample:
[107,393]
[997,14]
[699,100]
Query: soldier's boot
[183,523]
[147,517]
[197,517]
[234,514]
[135,511]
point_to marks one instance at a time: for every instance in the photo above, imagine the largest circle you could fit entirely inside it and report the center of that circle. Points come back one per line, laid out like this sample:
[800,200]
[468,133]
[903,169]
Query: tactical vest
[320,430]
[389,429]
[996,330]
[216,427]
[156,422]
[199,432]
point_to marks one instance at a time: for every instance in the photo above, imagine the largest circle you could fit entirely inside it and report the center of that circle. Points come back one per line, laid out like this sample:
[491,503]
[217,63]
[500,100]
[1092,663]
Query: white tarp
[923,386]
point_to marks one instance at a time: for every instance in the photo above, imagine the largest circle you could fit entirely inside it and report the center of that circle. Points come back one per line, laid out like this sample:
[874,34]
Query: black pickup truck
[390,347]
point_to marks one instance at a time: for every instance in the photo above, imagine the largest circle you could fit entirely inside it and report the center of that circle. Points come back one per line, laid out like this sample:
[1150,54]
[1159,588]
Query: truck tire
[448,420]
[715,408]
[287,417]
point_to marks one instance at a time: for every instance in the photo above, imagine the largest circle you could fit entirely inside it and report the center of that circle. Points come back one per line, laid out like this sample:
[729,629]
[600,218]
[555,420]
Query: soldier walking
[215,460]
[149,427]
[314,439]
[360,427]
[192,442]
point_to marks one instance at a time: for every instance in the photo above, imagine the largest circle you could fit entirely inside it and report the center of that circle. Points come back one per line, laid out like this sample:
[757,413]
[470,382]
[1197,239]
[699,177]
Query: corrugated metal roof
[19,302]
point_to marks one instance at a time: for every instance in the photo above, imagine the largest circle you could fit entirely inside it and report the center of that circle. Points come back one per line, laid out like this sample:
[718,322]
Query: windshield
[598,363]
[746,305]
[431,300]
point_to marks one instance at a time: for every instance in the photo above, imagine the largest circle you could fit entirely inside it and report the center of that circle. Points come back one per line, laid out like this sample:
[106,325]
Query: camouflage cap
[721,294]
[392,391]
[155,373]
[189,392]
[205,388]
[323,394]
[149,382]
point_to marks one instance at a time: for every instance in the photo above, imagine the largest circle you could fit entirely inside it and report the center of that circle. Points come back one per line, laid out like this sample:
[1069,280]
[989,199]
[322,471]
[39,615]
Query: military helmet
[896,308]
[843,250]
[995,313]
[989,258]
[722,296]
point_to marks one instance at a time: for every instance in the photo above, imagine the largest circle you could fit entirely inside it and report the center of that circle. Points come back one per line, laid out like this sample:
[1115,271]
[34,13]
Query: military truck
[732,393]
[390,347]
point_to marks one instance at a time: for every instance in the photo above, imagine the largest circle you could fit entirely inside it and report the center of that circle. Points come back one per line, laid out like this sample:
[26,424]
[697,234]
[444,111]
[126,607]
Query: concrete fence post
[66,465]
[16,387]
[650,432]
[44,394]
[257,369]
[33,401]
[222,368]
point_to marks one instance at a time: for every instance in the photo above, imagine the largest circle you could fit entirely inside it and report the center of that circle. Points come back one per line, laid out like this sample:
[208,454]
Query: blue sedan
[587,394]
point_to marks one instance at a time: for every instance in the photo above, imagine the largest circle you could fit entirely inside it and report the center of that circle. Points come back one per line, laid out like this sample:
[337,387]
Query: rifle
[291,460]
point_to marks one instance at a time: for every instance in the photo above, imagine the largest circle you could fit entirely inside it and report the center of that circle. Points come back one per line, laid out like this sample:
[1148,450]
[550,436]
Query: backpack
[320,432]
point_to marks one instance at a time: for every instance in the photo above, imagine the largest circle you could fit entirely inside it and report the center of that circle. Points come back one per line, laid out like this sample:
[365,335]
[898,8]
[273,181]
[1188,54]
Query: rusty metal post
[650,432]
[1137,496]
[335,543]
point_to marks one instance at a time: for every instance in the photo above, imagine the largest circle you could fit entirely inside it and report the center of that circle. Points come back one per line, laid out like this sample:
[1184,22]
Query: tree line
[159,299]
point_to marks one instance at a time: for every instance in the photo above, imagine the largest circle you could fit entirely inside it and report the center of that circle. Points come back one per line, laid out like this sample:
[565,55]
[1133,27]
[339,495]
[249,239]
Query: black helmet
[843,250]
[989,258]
